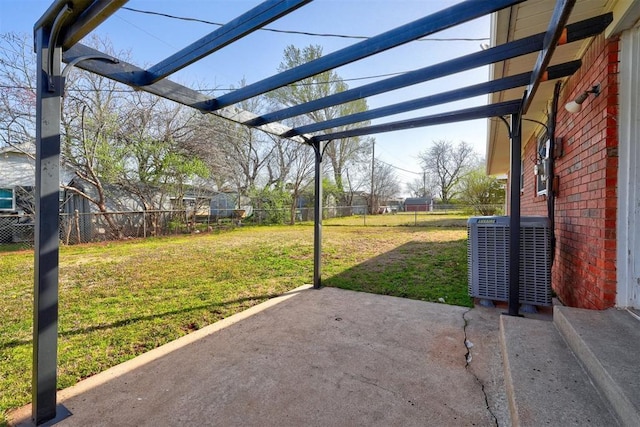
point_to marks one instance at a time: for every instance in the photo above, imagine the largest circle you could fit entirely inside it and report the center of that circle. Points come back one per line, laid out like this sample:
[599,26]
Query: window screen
[6,199]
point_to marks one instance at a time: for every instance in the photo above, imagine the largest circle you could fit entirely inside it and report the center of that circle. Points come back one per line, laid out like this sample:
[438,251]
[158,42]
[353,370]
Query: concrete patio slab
[311,357]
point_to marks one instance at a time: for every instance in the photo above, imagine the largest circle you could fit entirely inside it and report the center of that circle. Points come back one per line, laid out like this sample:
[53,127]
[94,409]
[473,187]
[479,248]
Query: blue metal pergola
[66,22]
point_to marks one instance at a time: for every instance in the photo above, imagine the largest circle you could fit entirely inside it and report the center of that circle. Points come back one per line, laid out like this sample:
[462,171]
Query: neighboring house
[17,183]
[17,172]
[585,178]
[395,205]
[196,201]
[417,204]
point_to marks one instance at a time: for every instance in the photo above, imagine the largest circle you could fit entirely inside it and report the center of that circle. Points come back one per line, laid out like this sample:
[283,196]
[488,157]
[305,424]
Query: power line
[304,33]
[146,32]
[377,76]
[399,168]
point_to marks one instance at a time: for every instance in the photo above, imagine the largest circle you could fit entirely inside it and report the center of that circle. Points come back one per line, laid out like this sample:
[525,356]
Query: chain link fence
[17,231]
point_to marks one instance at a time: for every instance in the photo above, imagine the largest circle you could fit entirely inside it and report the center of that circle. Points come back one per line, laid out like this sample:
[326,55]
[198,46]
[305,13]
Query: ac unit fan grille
[488,259]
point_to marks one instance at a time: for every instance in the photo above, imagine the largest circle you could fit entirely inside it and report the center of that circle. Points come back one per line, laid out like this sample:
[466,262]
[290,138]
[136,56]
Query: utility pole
[424,183]
[373,162]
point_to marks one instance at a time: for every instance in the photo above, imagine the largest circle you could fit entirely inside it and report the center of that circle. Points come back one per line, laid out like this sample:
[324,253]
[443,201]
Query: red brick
[584,273]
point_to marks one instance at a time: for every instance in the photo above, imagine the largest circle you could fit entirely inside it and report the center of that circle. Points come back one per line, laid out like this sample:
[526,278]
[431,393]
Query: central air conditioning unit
[488,259]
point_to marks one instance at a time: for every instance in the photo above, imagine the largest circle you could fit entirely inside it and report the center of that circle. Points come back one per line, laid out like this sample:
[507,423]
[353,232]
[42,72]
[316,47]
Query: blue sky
[152,38]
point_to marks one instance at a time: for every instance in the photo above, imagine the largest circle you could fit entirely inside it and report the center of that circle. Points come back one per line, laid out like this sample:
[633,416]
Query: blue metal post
[514,215]
[317,218]
[47,235]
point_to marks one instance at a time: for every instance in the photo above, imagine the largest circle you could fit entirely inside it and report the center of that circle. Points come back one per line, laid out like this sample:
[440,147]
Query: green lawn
[120,299]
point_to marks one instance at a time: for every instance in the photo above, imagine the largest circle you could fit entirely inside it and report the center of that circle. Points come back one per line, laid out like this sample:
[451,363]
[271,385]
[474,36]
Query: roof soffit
[514,23]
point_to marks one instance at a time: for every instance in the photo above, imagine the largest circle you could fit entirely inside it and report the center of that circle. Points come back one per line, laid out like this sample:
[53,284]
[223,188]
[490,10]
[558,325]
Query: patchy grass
[120,299]
[415,219]
[418,263]
[13,247]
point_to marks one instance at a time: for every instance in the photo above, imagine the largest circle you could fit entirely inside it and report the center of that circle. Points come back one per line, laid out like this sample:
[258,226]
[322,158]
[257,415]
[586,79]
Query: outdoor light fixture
[576,105]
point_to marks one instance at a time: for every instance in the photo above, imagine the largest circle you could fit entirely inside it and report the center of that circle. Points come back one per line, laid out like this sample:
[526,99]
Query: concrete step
[546,385]
[607,343]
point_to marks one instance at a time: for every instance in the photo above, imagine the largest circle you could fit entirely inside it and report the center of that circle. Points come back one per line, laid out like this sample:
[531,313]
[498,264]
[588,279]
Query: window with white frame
[542,165]
[7,199]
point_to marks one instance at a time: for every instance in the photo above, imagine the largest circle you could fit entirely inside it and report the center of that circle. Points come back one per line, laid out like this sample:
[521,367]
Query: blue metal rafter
[556,25]
[125,72]
[484,111]
[246,23]
[438,21]
[577,31]
[554,72]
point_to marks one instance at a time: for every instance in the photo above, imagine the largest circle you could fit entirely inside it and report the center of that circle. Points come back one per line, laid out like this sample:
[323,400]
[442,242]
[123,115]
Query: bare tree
[300,161]
[238,157]
[17,90]
[209,133]
[340,152]
[91,116]
[386,184]
[157,165]
[447,163]
[421,187]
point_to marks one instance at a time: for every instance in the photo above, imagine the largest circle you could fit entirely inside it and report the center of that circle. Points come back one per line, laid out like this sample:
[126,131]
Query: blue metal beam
[577,31]
[126,73]
[92,60]
[554,72]
[246,23]
[47,18]
[556,26]
[482,112]
[89,18]
[438,21]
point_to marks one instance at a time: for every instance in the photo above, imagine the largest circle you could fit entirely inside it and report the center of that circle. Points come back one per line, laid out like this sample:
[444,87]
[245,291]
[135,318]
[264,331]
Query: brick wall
[584,273]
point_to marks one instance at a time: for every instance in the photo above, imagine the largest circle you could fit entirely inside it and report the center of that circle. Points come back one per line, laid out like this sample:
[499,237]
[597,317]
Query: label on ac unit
[487,221]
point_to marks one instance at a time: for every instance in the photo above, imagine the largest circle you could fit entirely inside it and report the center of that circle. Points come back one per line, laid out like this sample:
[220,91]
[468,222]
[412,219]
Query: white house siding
[16,170]
[628,224]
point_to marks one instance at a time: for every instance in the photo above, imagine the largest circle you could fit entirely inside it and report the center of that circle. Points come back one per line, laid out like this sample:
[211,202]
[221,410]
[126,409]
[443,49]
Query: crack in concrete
[361,378]
[468,357]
